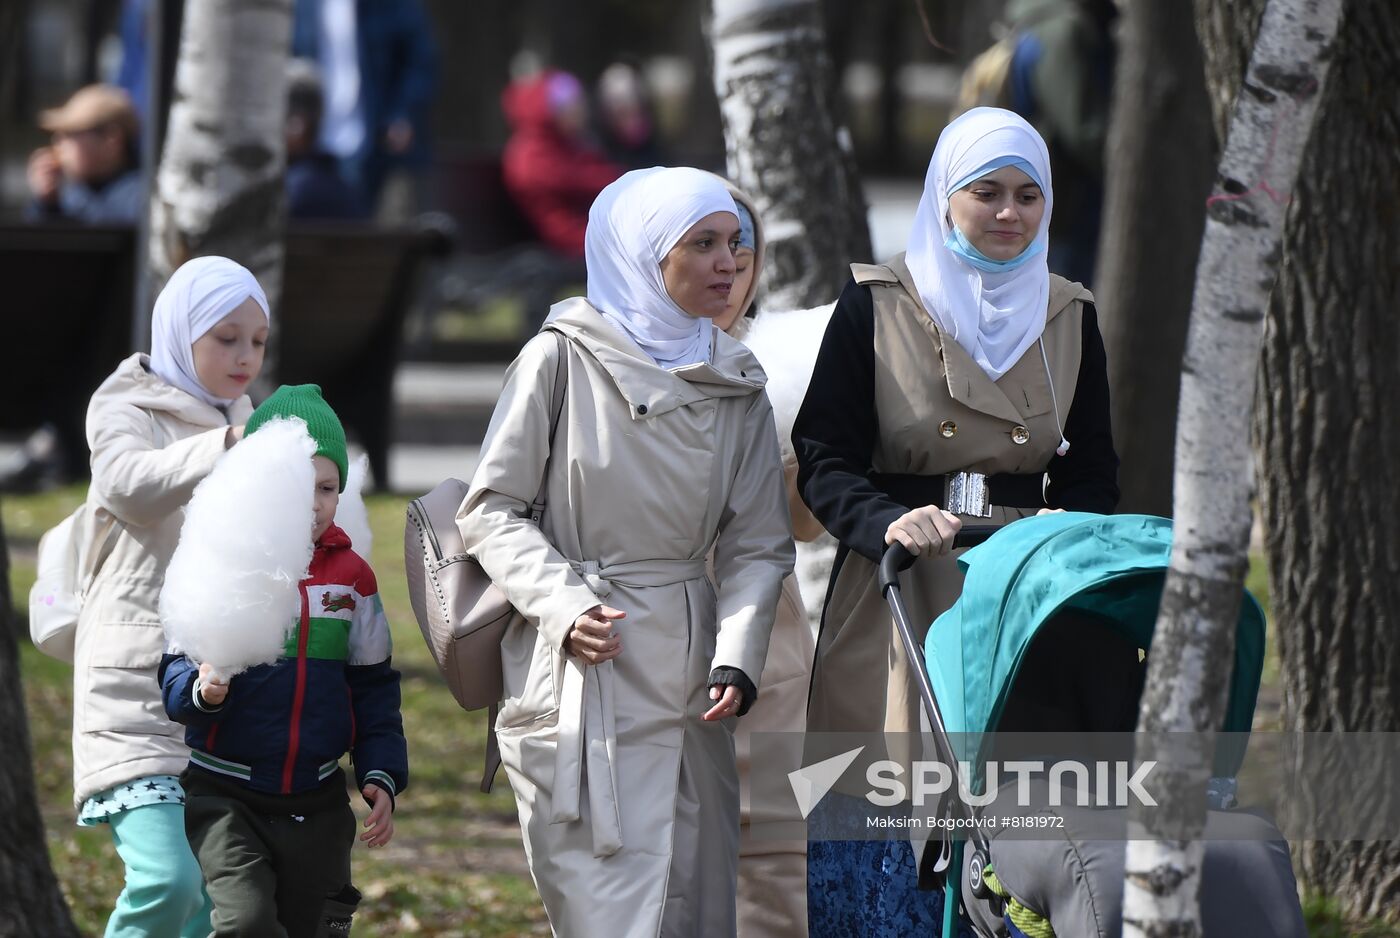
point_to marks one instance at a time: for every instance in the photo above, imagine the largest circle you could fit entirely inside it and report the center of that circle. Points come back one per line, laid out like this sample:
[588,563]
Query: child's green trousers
[269,861]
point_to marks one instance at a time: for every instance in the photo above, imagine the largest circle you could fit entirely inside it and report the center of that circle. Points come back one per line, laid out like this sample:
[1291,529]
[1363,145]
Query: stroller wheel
[976,874]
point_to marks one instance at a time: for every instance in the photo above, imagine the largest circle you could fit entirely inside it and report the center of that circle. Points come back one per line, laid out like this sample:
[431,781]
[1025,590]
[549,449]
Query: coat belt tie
[587,742]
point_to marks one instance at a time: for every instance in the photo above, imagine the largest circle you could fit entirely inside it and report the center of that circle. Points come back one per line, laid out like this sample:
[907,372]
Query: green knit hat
[305,401]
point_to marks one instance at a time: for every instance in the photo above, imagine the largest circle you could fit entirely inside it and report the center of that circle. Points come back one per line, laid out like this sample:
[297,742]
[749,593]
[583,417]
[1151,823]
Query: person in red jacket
[551,170]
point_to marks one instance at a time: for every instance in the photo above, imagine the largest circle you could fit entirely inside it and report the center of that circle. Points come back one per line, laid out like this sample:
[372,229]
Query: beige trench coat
[151,445]
[628,801]
[862,680]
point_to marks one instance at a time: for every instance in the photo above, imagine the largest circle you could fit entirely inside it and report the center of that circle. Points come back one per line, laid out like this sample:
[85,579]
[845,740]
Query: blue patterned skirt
[866,888]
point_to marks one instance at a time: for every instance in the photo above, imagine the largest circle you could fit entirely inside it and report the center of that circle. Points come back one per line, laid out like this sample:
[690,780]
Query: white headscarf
[199,294]
[997,316]
[632,225]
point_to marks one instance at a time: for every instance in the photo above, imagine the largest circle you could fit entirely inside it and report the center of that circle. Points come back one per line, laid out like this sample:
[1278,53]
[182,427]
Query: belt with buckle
[964,493]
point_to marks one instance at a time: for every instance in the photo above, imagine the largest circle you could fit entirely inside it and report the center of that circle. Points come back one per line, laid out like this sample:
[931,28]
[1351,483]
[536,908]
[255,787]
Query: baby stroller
[1045,638]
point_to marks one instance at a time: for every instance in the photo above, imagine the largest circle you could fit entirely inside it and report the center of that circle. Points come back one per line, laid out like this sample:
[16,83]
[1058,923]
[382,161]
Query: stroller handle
[897,557]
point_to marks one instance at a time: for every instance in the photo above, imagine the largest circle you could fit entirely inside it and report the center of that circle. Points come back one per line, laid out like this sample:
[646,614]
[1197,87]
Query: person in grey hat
[89,173]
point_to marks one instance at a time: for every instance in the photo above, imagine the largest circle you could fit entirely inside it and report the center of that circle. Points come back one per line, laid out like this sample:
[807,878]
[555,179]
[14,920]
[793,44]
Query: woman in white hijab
[156,427]
[962,381]
[629,665]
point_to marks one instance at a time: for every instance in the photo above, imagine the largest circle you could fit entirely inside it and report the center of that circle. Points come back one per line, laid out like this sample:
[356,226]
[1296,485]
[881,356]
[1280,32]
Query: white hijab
[632,225]
[199,294]
[995,317]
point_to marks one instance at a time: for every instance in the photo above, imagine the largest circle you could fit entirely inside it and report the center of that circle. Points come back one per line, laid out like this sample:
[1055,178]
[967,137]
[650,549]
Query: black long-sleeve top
[835,432]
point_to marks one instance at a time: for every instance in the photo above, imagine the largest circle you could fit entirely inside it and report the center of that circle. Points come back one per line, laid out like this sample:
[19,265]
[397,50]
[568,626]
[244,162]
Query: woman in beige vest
[962,367]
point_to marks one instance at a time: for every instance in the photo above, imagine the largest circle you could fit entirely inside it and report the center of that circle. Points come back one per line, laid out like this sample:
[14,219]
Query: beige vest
[961,419]
[938,412]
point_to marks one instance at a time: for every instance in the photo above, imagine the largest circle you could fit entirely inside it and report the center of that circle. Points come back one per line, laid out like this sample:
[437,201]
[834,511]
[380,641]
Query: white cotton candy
[352,516]
[786,345]
[230,594]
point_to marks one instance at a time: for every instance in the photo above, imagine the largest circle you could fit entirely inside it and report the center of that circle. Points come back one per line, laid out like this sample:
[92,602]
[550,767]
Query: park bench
[498,260]
[67,314]
[345,292]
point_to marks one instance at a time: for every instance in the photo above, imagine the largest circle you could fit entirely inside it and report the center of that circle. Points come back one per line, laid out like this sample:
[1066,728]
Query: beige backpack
[70,556]
[462,615]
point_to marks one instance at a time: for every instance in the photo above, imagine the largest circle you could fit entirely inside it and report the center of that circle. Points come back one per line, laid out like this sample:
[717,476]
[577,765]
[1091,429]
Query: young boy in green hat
[266,809]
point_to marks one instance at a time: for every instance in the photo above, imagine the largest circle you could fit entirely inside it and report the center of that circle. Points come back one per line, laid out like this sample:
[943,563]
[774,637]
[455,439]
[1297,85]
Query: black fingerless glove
[733,676]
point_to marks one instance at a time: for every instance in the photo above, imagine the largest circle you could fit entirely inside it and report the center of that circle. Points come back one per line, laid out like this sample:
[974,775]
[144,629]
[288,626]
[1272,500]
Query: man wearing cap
[89,173]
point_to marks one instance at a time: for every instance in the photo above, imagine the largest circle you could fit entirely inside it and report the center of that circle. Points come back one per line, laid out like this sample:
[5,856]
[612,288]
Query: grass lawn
[456,866]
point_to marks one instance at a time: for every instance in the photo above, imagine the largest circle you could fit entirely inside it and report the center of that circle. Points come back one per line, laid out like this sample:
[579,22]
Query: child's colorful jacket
[283,727]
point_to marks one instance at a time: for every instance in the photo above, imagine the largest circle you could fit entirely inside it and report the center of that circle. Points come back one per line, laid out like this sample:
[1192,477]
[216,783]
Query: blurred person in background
[550,168]
[89,173]
[625,119]
[315,187]
[137,30]
[378,67]
[1061,80]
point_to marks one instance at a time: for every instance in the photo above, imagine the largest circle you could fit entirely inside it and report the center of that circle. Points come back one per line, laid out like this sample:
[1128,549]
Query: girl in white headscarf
[629,665]
[960,367]
[156,427]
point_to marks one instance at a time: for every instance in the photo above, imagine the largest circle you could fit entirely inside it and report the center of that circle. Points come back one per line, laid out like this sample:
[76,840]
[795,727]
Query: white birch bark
[786,147]
[219,189]
[1193,647]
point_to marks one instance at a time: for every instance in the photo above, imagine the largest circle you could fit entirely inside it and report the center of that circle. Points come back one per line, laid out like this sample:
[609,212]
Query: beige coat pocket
[123,700]
[119,650]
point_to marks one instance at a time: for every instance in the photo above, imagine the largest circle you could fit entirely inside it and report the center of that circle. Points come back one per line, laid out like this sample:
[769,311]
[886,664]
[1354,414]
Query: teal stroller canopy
[1110,566]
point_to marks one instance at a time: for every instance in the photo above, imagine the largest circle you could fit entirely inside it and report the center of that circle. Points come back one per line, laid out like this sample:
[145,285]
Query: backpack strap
[556,410]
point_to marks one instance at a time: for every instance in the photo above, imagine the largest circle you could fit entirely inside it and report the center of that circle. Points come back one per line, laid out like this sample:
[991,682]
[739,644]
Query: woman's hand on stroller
[925,532]
[592,638]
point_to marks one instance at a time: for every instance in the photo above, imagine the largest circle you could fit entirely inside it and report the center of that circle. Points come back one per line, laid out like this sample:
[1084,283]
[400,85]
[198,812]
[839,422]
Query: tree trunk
[31,902]
[1192,649]
[219,189]
[1154,213]
[1329,360]
[1328,441]
[786,148]
[1227,29]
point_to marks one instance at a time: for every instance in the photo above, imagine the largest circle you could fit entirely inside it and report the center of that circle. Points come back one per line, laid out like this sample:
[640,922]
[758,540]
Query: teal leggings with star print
[164,892]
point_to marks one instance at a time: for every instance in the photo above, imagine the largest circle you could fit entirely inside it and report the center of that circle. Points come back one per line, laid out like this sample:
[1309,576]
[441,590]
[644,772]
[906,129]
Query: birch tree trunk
[219,189]
[1154,212]
[1193,646]
[31,902]
[786,147]
[1327,441]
